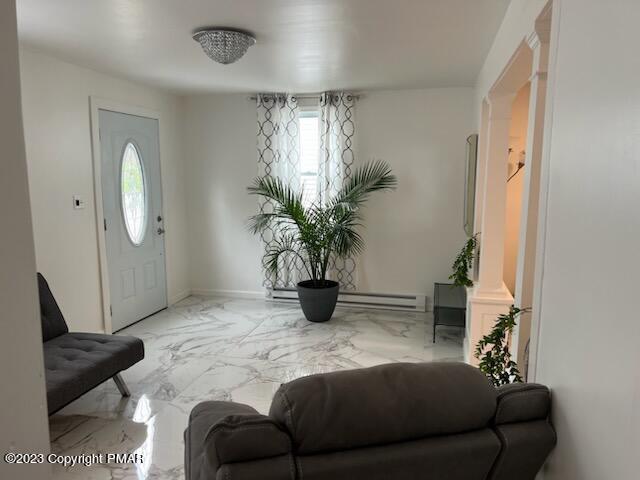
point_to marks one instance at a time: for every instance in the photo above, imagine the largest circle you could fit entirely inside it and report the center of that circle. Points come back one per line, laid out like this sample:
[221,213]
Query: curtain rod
[314,96]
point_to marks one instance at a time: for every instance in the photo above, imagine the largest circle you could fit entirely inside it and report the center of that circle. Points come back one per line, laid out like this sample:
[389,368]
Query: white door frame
[489,297]
[552,10]
[485,303]
[96,104]
[526,273]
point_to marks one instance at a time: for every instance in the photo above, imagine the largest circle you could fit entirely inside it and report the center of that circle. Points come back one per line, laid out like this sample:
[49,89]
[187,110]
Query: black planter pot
[318,303]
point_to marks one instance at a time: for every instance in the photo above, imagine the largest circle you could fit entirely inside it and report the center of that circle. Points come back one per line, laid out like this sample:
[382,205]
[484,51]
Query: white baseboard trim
[229,293]
[180,296]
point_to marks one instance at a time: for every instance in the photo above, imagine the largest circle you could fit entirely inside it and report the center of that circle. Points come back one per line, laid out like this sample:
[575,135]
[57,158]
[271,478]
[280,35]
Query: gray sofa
[433,421]
[75,363]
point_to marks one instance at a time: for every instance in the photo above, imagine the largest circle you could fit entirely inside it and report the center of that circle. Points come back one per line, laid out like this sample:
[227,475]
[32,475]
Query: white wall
[220,136]
[590,332]
[58,139]
[23,416]
[412,234]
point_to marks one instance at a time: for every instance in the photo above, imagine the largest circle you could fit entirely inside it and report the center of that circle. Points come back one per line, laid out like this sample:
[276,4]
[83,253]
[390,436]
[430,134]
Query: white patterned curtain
[337,136]
[278,145]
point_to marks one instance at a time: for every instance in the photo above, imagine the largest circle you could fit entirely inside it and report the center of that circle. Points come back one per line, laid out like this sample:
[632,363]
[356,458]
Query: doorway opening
[516,159]
[508,195]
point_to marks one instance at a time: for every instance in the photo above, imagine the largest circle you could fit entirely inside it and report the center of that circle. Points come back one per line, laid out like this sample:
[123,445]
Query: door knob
[160,231]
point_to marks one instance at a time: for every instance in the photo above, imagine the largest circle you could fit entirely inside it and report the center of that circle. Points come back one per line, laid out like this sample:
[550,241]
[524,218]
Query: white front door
[133,220]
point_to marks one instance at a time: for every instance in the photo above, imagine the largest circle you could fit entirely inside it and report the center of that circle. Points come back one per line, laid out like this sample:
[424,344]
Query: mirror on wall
[470,183]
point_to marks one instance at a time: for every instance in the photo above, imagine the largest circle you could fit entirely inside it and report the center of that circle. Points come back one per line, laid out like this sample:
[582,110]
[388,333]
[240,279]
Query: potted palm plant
[318,233]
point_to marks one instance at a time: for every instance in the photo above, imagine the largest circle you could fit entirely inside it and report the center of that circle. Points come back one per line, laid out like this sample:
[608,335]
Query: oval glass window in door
[132,188]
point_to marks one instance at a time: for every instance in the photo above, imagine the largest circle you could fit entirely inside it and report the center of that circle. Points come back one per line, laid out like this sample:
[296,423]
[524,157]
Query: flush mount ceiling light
[224,45]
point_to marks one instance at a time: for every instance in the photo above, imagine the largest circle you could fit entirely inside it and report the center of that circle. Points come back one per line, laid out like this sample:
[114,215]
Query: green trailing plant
[462,263]
[493,350]
[317,233]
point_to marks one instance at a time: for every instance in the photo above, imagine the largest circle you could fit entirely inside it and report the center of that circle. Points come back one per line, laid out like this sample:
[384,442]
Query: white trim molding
[526,262]
[547,27]
[178,297]
[249,294]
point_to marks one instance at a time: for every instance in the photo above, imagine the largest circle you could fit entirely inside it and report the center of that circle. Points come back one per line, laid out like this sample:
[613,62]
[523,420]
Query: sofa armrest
[522,402]
[225,432]
[525,448]
[525,432]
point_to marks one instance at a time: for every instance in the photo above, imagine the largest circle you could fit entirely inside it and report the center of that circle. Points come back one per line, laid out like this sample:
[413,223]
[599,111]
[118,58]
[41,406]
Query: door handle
[160,231]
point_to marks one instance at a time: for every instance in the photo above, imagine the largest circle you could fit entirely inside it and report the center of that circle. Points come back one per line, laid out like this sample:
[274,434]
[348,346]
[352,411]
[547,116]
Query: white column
[489,297]
[490,275]
[480,170]
[539,45]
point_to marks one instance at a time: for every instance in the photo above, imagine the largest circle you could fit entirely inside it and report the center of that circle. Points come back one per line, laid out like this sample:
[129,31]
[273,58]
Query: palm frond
[288,203]
[344,237]
[368,178]
[347,241]
[282,245]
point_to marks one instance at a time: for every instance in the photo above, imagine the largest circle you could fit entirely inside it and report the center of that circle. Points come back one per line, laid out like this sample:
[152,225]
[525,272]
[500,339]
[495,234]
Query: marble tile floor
[226,349]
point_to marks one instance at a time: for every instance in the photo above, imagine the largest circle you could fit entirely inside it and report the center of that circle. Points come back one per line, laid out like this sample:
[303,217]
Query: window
[134,202]
[309,154]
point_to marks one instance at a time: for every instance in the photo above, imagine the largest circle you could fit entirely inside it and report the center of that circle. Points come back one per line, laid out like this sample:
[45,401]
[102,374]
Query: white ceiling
[303,45]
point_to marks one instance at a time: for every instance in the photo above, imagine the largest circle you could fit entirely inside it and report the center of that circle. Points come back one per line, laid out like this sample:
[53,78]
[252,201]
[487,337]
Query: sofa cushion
[53,323]
[77,362]
[383,404]
[465,456]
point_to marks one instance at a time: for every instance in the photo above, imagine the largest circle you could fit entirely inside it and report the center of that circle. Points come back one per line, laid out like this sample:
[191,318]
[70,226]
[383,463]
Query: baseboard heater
[386,301]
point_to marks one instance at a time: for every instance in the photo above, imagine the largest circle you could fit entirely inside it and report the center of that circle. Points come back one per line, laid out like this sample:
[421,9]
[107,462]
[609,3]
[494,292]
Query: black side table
[449,306]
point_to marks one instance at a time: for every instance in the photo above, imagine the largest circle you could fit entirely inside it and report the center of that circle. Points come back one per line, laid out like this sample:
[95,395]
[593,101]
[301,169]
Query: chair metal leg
[122,387]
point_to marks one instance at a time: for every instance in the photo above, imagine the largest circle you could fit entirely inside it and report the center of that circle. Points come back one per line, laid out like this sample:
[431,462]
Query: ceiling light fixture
[224,45]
